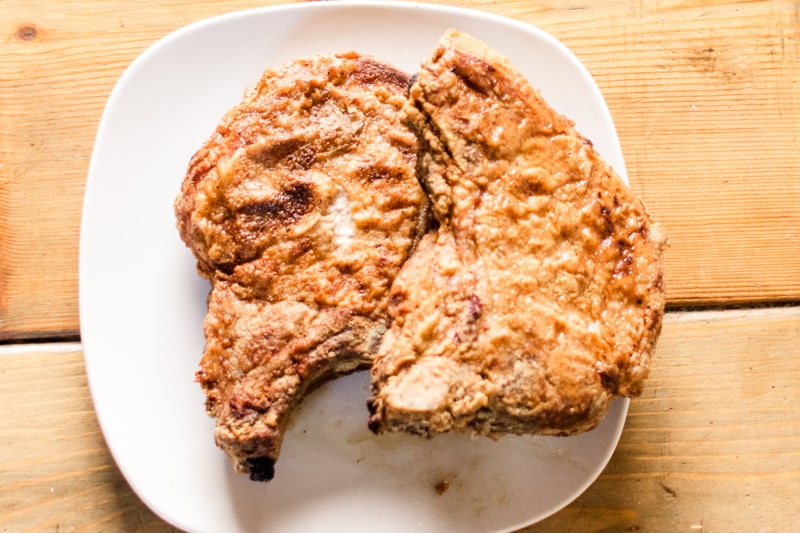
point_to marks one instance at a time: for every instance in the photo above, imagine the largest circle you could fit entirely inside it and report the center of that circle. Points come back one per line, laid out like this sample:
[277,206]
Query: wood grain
[712,445]
[56,473]
[706,102]
[704,95]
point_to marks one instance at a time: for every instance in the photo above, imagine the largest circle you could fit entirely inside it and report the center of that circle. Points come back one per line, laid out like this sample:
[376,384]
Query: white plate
[142,304]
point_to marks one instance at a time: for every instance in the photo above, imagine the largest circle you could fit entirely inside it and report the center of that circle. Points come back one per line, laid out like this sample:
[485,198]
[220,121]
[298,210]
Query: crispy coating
[300,208]
[540,296]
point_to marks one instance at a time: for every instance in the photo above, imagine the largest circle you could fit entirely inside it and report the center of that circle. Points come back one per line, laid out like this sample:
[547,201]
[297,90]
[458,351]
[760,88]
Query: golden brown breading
[301,208]
[540,296]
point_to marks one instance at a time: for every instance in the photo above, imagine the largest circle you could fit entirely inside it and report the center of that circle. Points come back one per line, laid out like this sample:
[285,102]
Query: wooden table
[706,99]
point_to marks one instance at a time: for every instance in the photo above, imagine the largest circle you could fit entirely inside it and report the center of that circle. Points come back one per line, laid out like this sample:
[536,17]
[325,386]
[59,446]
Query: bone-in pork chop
[300,209]
[539,297]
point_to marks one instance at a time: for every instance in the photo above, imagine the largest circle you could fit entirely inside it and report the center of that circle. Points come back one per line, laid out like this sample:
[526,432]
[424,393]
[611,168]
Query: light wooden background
[706,99]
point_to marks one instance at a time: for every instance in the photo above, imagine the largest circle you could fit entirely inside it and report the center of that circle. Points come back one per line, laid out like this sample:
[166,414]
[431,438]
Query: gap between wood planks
[68,341]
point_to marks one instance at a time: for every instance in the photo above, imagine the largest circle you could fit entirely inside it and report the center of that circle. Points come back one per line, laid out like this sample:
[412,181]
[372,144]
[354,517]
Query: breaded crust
[301,209]
[540,296]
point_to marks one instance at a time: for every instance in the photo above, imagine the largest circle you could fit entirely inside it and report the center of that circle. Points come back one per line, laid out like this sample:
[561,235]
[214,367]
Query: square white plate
[142,303]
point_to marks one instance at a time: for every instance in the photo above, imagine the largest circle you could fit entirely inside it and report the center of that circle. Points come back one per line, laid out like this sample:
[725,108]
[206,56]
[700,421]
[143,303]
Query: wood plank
[712,445]
[705,98]
[56,472]
[704,95]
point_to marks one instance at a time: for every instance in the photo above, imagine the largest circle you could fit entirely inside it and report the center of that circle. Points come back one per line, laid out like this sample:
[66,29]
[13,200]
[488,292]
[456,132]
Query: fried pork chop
[300,209]
[539,298]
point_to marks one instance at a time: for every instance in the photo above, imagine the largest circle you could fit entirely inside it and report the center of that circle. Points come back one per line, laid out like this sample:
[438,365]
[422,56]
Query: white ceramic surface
[142,304]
